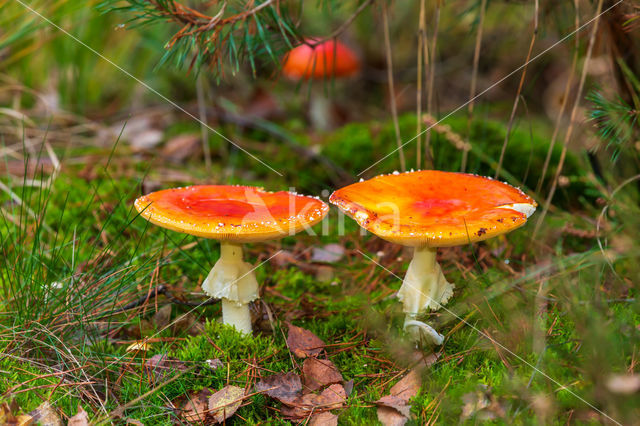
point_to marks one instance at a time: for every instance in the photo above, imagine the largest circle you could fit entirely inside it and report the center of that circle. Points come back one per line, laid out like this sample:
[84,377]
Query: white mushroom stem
[233,281]
[424,287]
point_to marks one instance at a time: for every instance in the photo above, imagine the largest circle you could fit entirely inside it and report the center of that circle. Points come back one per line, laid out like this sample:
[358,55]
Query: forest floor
[103,313]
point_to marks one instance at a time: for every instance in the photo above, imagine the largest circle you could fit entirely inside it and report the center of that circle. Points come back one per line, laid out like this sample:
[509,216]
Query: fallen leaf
[284,258]
[394,409]
[398,404]
[481,405]
[348,387]
[318,373]
[390,417]
[80,419]
[263,105]
[146,140]
[408,387]
[624,384]
[330,253]
[187,324]
[285,387]
[162,317]
[331,398]
[224,403]
[196,409]
[24,420]
[139,346]
[159,365]
[45,415]
[303,343]
[182,147]
[324,273]
[324,419]
[7,418]
[214,363]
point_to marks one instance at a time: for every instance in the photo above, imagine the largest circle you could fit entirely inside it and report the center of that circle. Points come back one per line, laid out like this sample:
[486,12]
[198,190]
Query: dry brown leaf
[624,384]
[159,365]
[7,418]
[408,387]
[319,373]
[196,409]
[162,318]
[481,405]
[330,253]
[224,403]
[182,147]
[146,140]
[394,409]
[332,397]
[396,403]
[45,415]
[80,419]
[390,417]
[285,387]
[303,343]
[214,363]
[348,387]
[138,346]
[324,419]
[187,324]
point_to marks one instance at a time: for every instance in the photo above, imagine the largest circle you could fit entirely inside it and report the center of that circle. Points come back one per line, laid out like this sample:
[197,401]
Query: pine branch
[235,32]
[220,33]
[616,121]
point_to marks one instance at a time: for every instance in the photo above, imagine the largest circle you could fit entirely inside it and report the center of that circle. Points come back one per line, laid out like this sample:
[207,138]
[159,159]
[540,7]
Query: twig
[422,41]
[474,81]
[392,94]
[522,78]
[159,290]
[204,134]
[565,98]
[428,156]
[572,121]
[344,25]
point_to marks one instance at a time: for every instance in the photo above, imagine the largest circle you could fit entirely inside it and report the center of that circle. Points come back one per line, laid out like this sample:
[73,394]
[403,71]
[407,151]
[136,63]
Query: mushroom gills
[424,287]
[232,280]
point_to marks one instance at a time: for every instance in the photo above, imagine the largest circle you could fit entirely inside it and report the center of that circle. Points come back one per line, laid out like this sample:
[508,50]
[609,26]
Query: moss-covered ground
[534,333]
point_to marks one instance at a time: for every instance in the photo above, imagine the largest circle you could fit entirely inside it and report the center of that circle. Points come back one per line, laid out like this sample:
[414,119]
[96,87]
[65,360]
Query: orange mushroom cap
[231,213]
[328,59]
[434,209]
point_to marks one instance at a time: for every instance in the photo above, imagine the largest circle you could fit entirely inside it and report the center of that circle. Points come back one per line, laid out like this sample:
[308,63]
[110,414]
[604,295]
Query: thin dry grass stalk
[522,78]
[428,155]
[474,80]
[565,97]
[204,132]
[572,121]
[392,93]
[422,43]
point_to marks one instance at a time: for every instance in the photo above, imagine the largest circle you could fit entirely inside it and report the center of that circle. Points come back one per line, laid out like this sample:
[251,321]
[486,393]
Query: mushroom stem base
[424,287]
[233,281]
[236,315]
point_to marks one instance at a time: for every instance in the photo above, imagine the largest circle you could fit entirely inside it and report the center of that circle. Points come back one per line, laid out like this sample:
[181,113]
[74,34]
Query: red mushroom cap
[434,209]
[328,59]
[231,213]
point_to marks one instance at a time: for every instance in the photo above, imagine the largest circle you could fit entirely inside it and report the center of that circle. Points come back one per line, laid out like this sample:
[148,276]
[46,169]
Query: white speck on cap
[524,208]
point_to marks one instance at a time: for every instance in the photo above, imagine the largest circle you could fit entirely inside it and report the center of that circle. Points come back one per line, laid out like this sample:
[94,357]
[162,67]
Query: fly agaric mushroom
[430,209]
[232,215]
[317,61]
